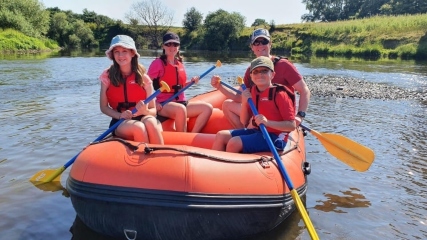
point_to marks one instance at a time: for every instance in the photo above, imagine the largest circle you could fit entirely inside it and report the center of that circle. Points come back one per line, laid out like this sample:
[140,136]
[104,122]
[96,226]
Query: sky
[281,11]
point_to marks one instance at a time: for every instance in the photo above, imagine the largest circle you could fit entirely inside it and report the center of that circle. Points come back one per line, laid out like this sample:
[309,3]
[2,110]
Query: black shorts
[114,121]
[163,118]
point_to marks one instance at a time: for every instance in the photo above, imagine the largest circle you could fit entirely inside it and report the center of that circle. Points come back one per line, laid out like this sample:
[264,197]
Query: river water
[49,112]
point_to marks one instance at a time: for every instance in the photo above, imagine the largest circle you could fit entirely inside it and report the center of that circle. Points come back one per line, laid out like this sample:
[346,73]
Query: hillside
[375,37]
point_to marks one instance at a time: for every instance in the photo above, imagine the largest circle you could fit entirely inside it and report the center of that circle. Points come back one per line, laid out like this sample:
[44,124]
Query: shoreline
[344,87]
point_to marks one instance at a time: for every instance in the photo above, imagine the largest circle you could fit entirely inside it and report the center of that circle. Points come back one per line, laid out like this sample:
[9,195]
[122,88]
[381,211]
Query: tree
[371,8]
[409,7]
[83,32]
[154,16]
[222,28]
[59,28]
[272,26]
[26,16]
[99,25]
[71,32]
[192,20]
[259,22]
[333,10]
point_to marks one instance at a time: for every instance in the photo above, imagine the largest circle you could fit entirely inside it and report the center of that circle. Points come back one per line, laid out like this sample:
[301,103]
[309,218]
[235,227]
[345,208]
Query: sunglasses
[264,71]
[172,44]
[263,42]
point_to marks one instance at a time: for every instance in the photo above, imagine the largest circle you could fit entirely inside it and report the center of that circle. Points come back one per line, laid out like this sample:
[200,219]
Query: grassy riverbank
[13,41]
[379,37]
[376,37]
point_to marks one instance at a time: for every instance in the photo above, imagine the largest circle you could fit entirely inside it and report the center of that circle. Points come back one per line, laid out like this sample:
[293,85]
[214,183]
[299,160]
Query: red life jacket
[174,76]
[126,95]
[266,105]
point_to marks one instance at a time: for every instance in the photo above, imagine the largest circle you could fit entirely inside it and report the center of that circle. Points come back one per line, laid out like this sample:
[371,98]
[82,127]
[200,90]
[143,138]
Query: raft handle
[306,168]
[130,234]
[264,162]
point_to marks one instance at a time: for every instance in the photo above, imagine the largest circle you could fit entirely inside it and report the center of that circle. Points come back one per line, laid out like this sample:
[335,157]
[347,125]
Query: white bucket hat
[123,41]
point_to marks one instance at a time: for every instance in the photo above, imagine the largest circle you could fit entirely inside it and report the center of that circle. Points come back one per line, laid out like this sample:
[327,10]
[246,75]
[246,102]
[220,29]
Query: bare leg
[178,112]
[231,110]
[132,130]
[234,145]
[221,140]
[154,129]
[202,111]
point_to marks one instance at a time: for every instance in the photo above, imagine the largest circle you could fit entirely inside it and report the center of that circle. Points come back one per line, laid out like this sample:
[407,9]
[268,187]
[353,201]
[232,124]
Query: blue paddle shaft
[112,128]
[271,145]
[188,85]
[231,87]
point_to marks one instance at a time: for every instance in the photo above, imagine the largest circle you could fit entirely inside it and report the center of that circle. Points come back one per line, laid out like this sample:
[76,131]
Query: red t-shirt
[286,74]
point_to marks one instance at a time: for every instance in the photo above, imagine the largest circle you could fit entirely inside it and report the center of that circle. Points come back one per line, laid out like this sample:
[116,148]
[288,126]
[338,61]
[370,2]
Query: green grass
[14,41]
[377,37]
[402,36]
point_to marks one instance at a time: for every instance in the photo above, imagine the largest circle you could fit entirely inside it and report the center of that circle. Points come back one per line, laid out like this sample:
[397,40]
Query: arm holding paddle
[224,88]
[194,80]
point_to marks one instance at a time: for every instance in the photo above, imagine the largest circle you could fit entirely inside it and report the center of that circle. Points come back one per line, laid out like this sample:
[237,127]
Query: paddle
[352,153]
[346,150]
[285,175]
[231,87]
[48,175]
[218,64]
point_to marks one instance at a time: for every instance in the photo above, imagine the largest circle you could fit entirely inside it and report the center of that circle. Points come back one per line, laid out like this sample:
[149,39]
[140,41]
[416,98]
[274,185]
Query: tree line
[148,20]
[338,10]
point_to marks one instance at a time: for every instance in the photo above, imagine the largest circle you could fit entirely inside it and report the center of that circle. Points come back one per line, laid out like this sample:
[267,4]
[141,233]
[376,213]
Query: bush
[407,50]
[12,40]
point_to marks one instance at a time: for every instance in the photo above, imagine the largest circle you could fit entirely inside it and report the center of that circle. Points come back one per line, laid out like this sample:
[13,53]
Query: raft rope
[148,150]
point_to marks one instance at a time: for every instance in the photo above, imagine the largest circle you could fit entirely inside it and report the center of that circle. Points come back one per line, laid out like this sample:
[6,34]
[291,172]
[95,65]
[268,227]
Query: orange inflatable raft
[183,189]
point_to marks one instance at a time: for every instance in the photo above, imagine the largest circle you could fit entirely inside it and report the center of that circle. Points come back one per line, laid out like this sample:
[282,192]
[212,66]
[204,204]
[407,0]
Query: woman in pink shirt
[170,69]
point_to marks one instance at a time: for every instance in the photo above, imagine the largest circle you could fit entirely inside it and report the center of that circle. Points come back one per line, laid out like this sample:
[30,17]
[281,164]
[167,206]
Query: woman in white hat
[124,86]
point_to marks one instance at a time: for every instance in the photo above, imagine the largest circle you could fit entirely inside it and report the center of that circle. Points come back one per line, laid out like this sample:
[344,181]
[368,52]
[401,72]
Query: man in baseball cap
[260,33]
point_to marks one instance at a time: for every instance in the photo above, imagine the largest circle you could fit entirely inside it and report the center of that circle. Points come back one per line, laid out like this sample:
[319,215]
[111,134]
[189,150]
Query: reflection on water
[338,204]
[80,231]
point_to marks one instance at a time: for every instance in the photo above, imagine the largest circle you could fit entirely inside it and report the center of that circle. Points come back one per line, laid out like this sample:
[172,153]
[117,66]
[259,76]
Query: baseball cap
[262,62]
[170,37]
[260,32]
[122,41]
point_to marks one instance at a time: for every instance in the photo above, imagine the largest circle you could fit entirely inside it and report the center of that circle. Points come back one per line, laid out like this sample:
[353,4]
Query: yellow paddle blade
[164,87]
[346,150]
[47,175]
[304,215]
[218,63]
[239,80]
[53,186]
